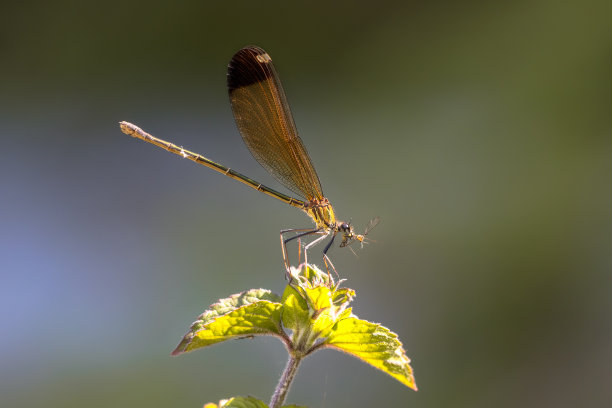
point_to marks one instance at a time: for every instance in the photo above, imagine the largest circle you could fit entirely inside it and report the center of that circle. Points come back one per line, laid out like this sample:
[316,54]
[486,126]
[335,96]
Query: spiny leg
[326,259]
[284,242]
[313,243]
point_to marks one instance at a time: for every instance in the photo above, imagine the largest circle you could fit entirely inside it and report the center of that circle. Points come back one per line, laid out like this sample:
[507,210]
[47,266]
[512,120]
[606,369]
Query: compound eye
[345,227]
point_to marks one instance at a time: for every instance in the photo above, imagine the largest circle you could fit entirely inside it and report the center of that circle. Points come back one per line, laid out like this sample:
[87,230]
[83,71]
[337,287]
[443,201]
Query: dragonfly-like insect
[265,122]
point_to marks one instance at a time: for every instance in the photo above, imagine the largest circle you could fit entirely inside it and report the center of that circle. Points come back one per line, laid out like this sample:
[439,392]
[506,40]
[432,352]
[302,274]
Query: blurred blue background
[479,132]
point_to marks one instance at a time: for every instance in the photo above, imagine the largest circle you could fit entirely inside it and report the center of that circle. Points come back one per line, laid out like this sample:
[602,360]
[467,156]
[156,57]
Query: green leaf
[244,402]
[310,275]
[251,313]
[343,296]
[319,298]
[295,309]
[323,313]
[374,344]
[325,324]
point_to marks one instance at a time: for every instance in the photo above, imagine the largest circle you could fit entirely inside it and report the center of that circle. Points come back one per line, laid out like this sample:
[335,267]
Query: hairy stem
[278,398]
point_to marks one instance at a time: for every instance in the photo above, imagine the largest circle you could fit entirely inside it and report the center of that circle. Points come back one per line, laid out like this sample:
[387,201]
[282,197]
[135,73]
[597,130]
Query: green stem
[278,398]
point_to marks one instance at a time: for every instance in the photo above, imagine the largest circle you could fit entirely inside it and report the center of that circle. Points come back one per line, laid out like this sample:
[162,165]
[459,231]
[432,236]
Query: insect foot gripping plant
[312,314]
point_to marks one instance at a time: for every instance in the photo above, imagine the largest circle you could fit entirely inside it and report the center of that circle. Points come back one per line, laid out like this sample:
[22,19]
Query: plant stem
[278,398]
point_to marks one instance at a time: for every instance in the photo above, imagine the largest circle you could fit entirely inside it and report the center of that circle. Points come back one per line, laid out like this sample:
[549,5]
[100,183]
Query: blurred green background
[480,133]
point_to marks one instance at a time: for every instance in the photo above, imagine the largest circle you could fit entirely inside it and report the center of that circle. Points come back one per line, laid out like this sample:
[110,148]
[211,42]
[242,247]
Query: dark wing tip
[248,66]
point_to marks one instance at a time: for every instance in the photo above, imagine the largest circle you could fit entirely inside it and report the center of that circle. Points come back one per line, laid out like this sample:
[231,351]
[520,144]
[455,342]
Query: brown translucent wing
[265,122]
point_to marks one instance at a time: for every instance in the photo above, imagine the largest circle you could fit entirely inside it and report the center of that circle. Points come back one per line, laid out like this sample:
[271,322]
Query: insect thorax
[321,212]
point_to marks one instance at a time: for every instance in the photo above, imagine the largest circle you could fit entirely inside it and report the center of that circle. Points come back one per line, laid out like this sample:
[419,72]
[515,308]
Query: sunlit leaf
[374,344]
[343,296]
[319,298]
[244,402]
[325,324]
[251,313]
[295,312]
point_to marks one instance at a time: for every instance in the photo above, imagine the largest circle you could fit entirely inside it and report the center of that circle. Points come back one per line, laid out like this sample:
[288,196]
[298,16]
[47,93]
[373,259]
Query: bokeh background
[480,133]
